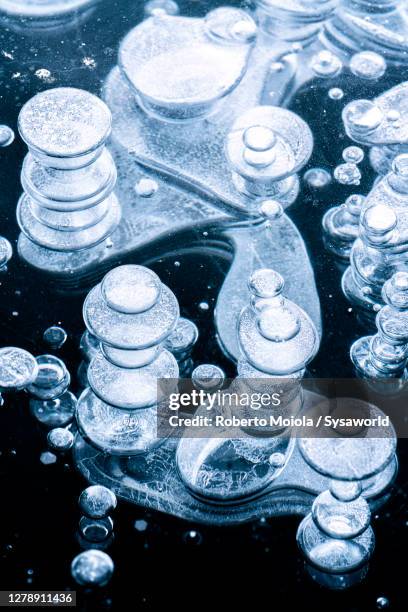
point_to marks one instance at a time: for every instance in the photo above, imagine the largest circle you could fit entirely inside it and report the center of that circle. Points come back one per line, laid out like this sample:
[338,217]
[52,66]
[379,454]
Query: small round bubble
[326,64]
[55,336]
[6,252]
[353,154]
[97,501]
[6,135]
[208,376]
[146,187]
[368,65]
[161,7]
[347,174]
[60,439]
[317,177]
[92,568]
[335,93]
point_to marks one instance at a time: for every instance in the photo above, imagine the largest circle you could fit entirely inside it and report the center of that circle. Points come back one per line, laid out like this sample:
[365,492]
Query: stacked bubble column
[131,313]
[68,176]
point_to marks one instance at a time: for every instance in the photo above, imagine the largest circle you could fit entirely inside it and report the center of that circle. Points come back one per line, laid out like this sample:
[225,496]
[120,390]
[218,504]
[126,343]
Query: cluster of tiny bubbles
[146,187]
[208,376]
[326,64]
[97,501]
[382,603]
[353,154]
[271,209]
[140,525]
[60,439]
[347,174]
[48,458]
[57,412]
[6,252]
[335,93]
[92,568]
[317,177]
[161,7]
[55,336]
[368,65]
[95,530]
[6,135]
[192,537]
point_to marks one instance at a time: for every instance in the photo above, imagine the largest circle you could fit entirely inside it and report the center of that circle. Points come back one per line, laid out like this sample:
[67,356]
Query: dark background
[252,565]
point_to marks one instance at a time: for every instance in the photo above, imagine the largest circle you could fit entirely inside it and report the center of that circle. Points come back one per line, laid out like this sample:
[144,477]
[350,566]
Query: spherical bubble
[326,64]
[55,336]
[353,154]
[335,93]
[347,174]
[52,379]
[60,439]
[317,177]
[183,338]
[363,116]
[382,603]
[57,412]
[161,7]
[368,65]
[208,376]
[6,252]
[97,501]
[48,458]
[271,209]
[95,530]
[6,135]
[146,187]
[277,459]
[92,568]
[278,324]
[265,283]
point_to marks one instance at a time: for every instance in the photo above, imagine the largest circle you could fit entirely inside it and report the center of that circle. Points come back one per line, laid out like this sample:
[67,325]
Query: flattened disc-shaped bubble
[351,458]
[64,122]
[60,439]
[368,65]
[18,368]
[331,554]
[6,251]
[161,7]
[278,358]
[55,412]
[97,501]
[208,376]
[130,388]
[183,338]
[92,568]
[228,469]
[131,331]
[6,136]
[340,519]
[116,431]
[41,8]
[131,289]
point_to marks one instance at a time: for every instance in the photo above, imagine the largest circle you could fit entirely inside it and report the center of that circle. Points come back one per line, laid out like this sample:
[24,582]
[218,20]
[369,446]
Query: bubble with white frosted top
[266,283]
[97,501]
[368,65]
[146,187]
[155,8]
[60,439]
[317,177]
[6,252]
[347,174]
[336,93]
[208,376]
[326,64]
[131,289]
[18,368]
[353,154]
[92,568]
[6,135]
[64,122]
